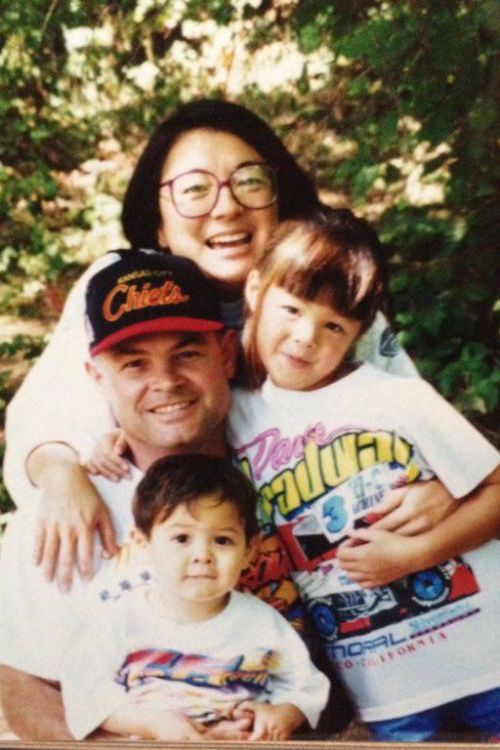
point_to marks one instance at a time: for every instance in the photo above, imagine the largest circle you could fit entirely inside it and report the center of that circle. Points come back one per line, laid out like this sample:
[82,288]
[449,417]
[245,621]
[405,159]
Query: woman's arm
[70,513]
[379,346]
[57,402]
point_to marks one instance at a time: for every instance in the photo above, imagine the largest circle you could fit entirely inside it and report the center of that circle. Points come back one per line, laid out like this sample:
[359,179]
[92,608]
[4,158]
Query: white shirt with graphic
[134,652]
[426,639]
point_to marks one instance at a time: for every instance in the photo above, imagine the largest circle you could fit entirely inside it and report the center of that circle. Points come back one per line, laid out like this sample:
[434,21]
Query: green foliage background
[391,106]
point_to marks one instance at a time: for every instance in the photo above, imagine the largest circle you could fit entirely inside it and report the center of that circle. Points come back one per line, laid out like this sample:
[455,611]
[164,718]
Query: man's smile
[172,408]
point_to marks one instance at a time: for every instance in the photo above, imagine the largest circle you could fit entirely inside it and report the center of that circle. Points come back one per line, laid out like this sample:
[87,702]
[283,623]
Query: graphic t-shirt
[134,652]
[425,639]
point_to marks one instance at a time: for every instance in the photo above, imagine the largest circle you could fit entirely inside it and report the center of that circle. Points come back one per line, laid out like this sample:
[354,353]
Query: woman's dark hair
[141,213]
[181,480]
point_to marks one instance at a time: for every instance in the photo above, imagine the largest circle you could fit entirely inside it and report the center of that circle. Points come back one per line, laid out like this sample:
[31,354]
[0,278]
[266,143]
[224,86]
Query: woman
[211,184]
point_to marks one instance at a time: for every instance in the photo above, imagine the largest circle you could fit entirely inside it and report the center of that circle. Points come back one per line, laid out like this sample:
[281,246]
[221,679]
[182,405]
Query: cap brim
[158,325]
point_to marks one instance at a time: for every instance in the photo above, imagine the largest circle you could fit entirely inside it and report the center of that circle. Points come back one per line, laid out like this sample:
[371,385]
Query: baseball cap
[145,292]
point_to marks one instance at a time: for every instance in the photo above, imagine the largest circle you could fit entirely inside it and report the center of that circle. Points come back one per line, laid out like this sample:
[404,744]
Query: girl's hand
[376,557]
[70,513]
[271,722]
[106,458]
[415,508]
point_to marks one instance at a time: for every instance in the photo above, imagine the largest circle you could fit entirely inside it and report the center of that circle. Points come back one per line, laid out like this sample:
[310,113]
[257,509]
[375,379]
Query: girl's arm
[106,456]
[416,508]
[385,556]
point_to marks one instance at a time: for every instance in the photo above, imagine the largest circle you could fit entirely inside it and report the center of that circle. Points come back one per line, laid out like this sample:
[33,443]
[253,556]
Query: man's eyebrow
[186,338]
[190,337]
[127,348]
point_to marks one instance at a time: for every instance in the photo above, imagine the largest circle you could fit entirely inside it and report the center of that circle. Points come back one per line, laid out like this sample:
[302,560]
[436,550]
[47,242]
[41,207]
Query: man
[162,359]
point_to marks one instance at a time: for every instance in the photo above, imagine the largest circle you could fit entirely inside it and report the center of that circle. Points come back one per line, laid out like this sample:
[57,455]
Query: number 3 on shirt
[334,514]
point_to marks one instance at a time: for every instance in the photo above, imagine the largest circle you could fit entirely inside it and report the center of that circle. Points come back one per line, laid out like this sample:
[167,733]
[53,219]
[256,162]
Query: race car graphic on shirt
[315,534]
[335,486]
[355,611]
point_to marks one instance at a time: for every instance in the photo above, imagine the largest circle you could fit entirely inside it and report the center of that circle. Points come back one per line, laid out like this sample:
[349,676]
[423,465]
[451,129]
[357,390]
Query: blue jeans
[481,712]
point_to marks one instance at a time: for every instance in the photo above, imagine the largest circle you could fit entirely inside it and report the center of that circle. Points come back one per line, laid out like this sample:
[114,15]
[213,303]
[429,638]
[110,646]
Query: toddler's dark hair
[181,480]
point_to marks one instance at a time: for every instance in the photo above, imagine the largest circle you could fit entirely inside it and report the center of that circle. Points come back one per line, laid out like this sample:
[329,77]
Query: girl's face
[301,344]
[224,242]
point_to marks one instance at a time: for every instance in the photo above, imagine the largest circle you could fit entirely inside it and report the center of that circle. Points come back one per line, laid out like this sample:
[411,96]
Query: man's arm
[32,707]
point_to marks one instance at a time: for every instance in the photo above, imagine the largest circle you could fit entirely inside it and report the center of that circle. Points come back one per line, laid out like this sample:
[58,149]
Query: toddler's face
[199,552]
[301,344]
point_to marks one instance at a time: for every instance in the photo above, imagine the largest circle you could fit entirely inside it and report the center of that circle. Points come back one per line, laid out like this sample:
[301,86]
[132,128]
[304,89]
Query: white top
[422,641]
[247,652]
[35,617]
[58,402]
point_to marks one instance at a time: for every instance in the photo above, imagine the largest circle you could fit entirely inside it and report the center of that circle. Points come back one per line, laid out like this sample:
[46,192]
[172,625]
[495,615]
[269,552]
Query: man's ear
[252,289]
[93,372]
[253,546]
[229,348]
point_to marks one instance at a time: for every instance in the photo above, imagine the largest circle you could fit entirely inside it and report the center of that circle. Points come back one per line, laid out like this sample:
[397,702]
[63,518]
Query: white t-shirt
[36,618]
[132,651]
[422,641]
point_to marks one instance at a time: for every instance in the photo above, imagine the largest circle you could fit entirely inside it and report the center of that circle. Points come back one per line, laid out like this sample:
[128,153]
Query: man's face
[169,391]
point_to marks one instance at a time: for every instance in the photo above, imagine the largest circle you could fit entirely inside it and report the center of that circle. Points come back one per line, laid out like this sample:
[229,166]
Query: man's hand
[376,557]
[70,513]
[271,722]
[175,727]
[130,719]
[230,729]
[415,508]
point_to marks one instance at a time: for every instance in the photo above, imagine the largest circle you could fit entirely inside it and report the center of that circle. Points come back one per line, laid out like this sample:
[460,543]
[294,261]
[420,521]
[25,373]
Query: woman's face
[224,242]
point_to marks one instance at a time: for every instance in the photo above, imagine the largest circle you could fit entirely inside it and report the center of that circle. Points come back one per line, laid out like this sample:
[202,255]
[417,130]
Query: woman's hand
[70,513]
[106,458]
[415,508]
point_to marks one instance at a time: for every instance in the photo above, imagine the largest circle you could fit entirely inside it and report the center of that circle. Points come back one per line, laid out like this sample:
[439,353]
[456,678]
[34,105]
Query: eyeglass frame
[220,185]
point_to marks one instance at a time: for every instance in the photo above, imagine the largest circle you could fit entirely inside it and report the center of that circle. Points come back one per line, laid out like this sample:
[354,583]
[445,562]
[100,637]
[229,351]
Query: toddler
[187,651]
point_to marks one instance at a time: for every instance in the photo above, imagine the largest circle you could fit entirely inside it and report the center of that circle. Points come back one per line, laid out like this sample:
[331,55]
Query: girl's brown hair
[330,254]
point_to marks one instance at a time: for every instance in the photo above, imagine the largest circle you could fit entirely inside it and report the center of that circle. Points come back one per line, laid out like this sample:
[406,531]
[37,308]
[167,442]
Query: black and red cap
[145,292]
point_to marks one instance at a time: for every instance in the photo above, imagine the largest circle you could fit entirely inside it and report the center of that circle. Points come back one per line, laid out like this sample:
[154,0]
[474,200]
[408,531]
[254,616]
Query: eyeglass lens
[196,193]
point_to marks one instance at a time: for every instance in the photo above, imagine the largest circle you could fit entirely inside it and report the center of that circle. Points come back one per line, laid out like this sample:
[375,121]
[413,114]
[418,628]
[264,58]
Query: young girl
[324,440]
